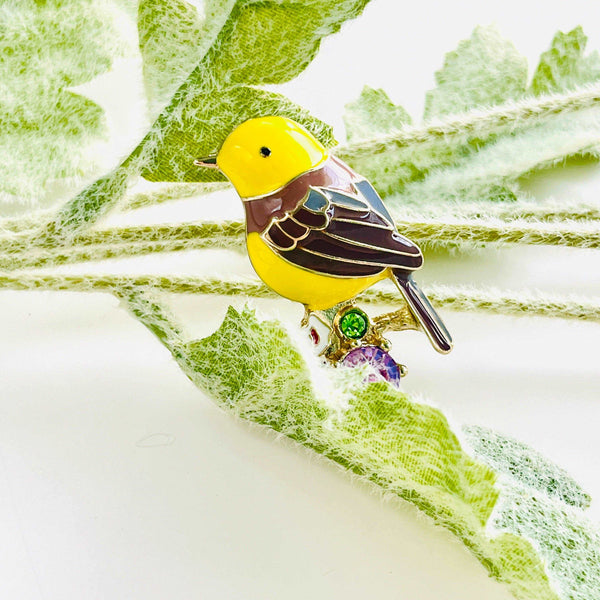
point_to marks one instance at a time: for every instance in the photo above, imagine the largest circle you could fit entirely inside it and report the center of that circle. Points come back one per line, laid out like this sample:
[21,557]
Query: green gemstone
[354,324]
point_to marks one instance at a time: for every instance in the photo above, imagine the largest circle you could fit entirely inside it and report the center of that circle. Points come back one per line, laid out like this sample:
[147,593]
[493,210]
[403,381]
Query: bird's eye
[265,152]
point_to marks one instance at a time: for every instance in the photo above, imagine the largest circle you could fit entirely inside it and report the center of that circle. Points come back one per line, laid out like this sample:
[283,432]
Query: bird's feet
[306,317]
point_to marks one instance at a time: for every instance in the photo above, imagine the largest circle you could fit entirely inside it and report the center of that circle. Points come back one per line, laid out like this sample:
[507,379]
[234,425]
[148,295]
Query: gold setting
[339,344]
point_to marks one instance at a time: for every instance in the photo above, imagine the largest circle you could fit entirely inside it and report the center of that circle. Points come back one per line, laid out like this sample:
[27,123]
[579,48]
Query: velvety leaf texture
[373,113]
[496,501]
[261,43]
[44,126]
[255,43]
[207,120]
[173,38]
[542,502]
[524,464]
[167,32]
[564,66]
[492,172]
[484,70]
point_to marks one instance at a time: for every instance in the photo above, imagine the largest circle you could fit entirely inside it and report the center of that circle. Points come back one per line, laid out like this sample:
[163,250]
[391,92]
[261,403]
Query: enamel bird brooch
[317,232]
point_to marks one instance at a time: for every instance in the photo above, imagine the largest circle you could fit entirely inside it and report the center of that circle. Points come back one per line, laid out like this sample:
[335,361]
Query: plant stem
[453,297]
[146,239]
[29,222]
[523,209]
[477,123]
[172,191]
[121,242]
[576,234]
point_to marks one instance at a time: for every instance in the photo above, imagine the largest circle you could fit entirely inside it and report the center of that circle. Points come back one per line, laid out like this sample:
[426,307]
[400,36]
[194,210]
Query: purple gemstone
[382,364]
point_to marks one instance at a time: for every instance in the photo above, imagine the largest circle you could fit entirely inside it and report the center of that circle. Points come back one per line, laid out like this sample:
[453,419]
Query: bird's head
[262,155]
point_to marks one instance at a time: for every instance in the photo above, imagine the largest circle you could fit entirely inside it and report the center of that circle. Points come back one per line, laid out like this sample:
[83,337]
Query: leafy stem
[453,297]
[477,123]
[17,253]
[97,198]
[454,180]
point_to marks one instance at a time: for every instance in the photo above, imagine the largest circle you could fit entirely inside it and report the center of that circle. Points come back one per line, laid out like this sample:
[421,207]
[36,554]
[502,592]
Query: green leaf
[47,48]
[167,32]
[492,172]
[484,70]
[205,122]
[173,38]
[566,541]
[264,42]
[391,171]
[373,113]
[525,466]
[254,370]
[271,369]
[564,65]
[478,155]
[261,43]
[541,501]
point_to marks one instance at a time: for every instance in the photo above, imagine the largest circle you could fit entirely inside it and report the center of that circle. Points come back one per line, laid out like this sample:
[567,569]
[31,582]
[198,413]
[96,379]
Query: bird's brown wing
[341,234]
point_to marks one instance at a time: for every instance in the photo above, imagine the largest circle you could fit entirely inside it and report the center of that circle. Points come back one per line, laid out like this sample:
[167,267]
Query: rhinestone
[383,366]
[354,324]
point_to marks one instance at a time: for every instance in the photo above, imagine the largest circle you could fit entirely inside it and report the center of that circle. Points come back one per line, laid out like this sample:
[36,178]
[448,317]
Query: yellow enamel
[314,290]
[293,151]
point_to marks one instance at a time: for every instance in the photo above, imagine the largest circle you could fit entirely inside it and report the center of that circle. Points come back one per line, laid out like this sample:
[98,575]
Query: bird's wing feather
[342,234]
[372,197]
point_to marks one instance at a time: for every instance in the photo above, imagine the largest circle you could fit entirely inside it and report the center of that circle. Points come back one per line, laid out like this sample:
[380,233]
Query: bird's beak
[208,162]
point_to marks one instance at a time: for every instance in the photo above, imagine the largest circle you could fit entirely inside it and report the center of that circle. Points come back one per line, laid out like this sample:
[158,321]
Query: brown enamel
[352,236]
[259,212]
[349,238]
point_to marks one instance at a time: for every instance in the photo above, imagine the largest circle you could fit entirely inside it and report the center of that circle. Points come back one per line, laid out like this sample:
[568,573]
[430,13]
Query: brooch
[318,233]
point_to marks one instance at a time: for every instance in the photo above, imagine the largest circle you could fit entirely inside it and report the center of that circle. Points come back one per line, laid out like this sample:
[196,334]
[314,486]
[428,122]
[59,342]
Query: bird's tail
[425,314]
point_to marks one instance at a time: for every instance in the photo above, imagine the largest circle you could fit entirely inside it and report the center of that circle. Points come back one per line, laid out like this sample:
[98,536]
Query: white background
[120,480]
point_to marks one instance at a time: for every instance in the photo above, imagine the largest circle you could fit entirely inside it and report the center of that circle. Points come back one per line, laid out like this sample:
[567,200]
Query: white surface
[120,480]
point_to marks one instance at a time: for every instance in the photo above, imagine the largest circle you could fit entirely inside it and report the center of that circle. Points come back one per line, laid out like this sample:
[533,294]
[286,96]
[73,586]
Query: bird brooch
[319,234]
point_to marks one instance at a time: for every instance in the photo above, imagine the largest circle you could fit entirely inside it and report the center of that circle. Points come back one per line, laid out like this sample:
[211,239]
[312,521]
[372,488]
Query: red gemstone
[314,336]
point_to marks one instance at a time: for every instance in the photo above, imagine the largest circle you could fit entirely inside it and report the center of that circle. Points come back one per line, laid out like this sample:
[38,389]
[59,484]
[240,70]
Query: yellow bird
[317,232]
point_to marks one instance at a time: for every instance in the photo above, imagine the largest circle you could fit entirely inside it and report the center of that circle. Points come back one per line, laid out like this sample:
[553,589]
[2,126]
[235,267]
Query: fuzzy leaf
[485,162]
[168,33]
[46,48]
[527,467]
[206,121]
[567,542]
[271,369]
[564,65]
[484,70]
[391,171]
[173,38]
[253,369]
[373,113]
[261,43]
[492,172]
[541,501]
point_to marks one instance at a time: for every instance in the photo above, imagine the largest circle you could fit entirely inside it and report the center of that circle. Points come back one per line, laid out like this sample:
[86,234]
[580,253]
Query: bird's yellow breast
[314,290]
